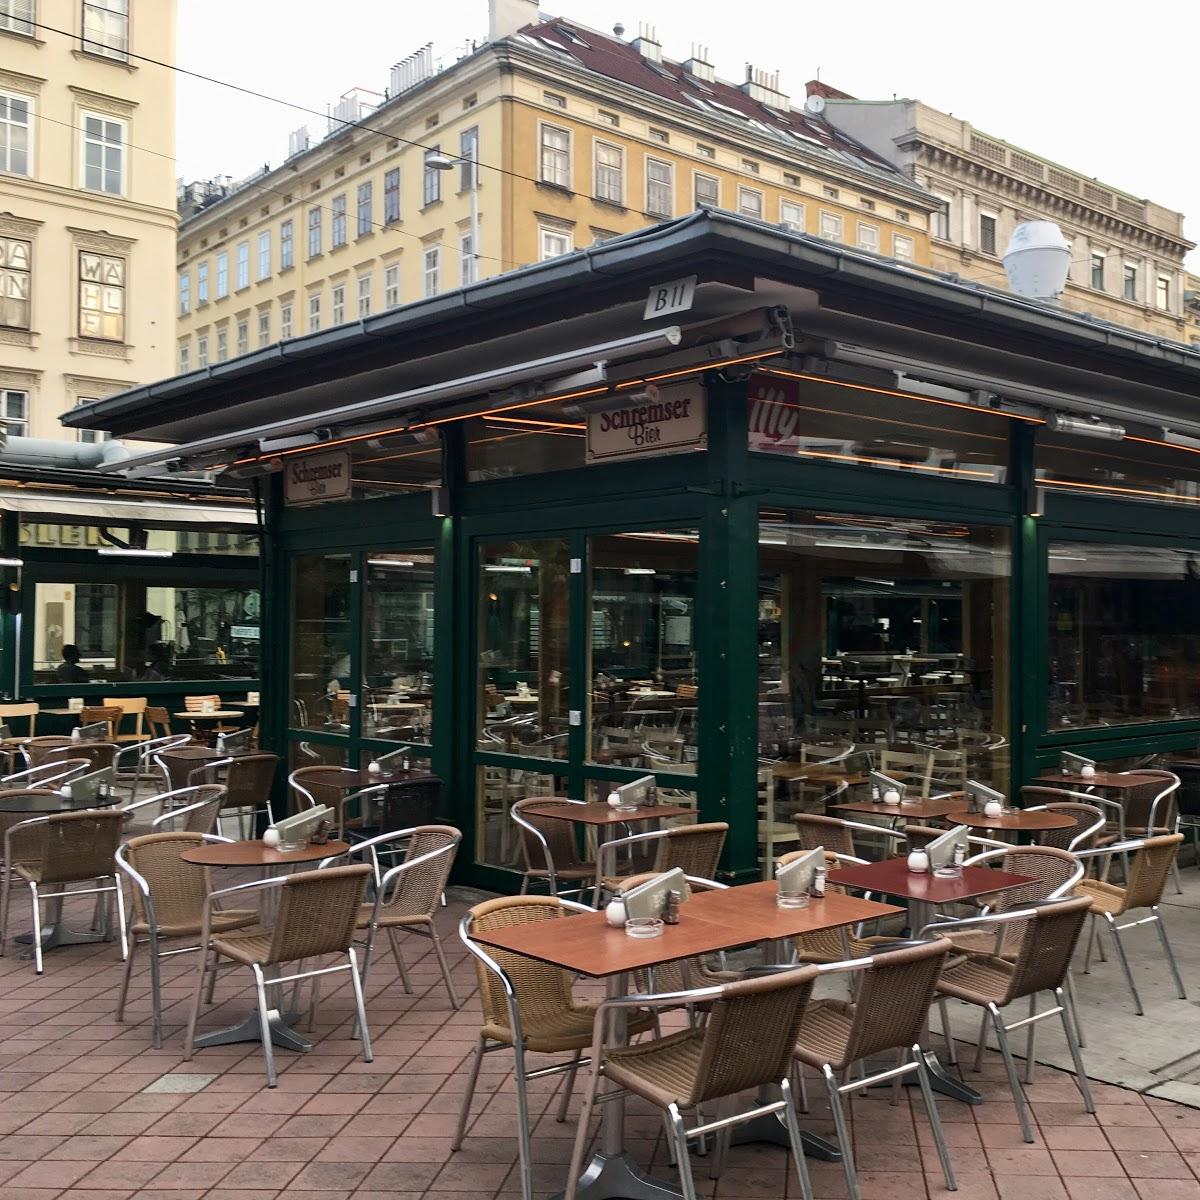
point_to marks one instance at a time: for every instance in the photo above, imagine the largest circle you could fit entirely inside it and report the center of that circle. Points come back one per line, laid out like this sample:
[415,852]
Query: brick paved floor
[84,1113]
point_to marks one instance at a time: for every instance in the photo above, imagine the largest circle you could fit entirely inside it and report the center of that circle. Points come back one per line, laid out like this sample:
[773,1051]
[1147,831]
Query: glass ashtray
[290,847]
[644,927]
[948,872]
[791,900]
[626,808]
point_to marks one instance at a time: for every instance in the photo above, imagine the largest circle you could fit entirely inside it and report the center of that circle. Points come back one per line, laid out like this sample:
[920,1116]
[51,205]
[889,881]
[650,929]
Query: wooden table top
[708,922]
[357,777]
[1102,779]
[216,715]
[1020,820]
[893,878]
[599,812]
[256,854]
[48,802]
[924,810]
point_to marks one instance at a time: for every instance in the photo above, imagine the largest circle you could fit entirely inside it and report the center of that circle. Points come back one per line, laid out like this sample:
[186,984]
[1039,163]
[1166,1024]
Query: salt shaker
[817,890]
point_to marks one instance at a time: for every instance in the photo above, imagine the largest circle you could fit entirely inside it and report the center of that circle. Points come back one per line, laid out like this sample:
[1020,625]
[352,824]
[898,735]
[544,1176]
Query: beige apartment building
[1127,252]
[579,136]
[87,204]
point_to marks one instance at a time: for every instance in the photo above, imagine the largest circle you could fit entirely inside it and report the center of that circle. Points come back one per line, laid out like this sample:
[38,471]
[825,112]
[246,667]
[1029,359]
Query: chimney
[647,44]
[506,17]
[763,86]
[699,65]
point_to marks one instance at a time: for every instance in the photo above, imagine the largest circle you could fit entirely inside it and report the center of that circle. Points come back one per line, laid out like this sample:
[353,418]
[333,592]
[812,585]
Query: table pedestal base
[618,1177]
[54,936]
[770,1129]
[282,1033]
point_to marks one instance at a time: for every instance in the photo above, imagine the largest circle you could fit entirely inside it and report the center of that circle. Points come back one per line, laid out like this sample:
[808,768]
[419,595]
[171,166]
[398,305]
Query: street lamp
[443,162]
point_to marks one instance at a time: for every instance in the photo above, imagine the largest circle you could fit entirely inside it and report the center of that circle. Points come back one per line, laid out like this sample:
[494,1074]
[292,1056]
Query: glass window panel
[400,463]
[821,420]
[1124,634]
[316,754]
[529,441]
[321,665]
[1123,470]
[398,620]
[497,842]
[642,643]
[886,634]
[523,647]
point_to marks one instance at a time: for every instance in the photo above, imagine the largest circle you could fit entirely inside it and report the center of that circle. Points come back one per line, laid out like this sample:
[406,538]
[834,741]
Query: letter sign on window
[667,298]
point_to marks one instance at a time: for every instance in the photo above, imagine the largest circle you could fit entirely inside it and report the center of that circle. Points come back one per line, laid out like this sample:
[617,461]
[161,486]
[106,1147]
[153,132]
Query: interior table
[926,892]
[257,855]
[921,809]
[708,922]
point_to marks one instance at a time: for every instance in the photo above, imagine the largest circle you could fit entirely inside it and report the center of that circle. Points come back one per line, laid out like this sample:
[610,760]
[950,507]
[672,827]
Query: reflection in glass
[523,648]
[398,646]
[883,642]
[321,683]
[497,839]
[396,464]
[525,441]
[642,638]
[1132,469]
[1124,634]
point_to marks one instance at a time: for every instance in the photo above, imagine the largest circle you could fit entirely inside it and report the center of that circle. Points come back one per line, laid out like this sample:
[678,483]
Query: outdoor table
[257,855]
[921,809]
[1020,821]
[54,930]
[602,815]
[1108,780]
[198,756]
[925,892]
[708,922]
[338,777]
[217,714]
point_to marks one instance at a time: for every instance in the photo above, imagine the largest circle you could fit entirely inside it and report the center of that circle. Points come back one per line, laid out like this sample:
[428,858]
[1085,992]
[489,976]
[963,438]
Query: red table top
[1102,779]
[893,877]
[1021,820]
[708,922]
[924,810]
[256,854]
[599,812]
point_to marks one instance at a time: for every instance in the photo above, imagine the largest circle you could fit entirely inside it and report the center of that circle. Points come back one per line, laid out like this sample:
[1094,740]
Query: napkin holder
[979,795]
[75,704]
[941,849]
[87,789]
[795,878]
[294,831]
[881,784]
[1073,764]
[648,899]
[96,732]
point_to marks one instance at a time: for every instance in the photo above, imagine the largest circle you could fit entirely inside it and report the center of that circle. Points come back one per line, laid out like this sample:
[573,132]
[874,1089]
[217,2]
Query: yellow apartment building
[578,136]
[87,204]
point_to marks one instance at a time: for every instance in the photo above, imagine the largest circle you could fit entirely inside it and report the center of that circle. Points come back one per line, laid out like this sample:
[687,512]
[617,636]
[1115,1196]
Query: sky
[1078,83]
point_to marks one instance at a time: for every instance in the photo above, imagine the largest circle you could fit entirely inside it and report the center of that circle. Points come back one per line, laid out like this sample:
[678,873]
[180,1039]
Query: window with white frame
[264,327]
[431,178]
[202,351]
[314,232]
[987,232]
[314,312]
[706,191]
[222,344]
[391,196]
[185,293]
[610,173]
[705,151]
[831,226]
[185,358]
[750,202]
[1129,284]
[365,212]
[1098,272]
[939,222]
[553,242]
[243,337]
[555,161]
[432,270]
[337,307]
[660,187]
[14,411]
[391,285]
[364,295]
[91,437]
[243,265]
[287,245]
[337,222]
[285,320]
[868,237]
[791,215]
[1162,292]
[106,28]
[16,277]
[468,264]
[104,154]
[16,16]
[202,282]
[101,297]
[16,133]
[902,247]
[264,254]
[222,275]
[468,152]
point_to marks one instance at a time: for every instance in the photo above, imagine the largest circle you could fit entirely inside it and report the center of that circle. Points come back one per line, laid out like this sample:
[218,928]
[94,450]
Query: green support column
[10,547]
[727,639]
[1027,637]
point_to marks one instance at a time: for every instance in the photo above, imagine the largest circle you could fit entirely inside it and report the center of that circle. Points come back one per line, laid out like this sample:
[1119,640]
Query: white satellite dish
[815,105]
[1037,260]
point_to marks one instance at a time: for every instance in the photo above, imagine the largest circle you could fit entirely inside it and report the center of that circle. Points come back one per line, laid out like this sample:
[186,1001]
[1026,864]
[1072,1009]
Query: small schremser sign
[317,478]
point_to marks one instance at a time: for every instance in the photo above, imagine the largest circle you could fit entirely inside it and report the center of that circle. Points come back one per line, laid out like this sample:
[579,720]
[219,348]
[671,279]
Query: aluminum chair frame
[171,814]
[882,831]
[310,801]
[611,848]
[1080,840]
[1152,819]
[241,811]
[48,775]
[261,982]
[552,879]
[146,753]
[1063,1009]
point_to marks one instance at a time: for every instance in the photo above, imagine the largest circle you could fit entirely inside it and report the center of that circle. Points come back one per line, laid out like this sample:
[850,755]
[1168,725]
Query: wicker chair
[892,997]
[527,1008]
[38,750]
[248,780]
[992,982]
[167,902]
[75,847]
[833,833]
[316,917]
[408,894]
[416,800]
[1152,809]
[48,775]
[185,810]
[747,1043]
[695,849]
[100,755]
[1151,863]
[549,847]
[1089,818]
[135,763]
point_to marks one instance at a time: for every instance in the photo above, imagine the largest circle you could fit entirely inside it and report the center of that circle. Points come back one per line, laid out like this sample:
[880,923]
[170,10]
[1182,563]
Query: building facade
[578,137]
[87,213]
[1127,262]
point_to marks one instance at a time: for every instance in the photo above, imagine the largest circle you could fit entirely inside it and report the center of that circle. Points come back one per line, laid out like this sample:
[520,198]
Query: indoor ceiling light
[640,571]
[128,552]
